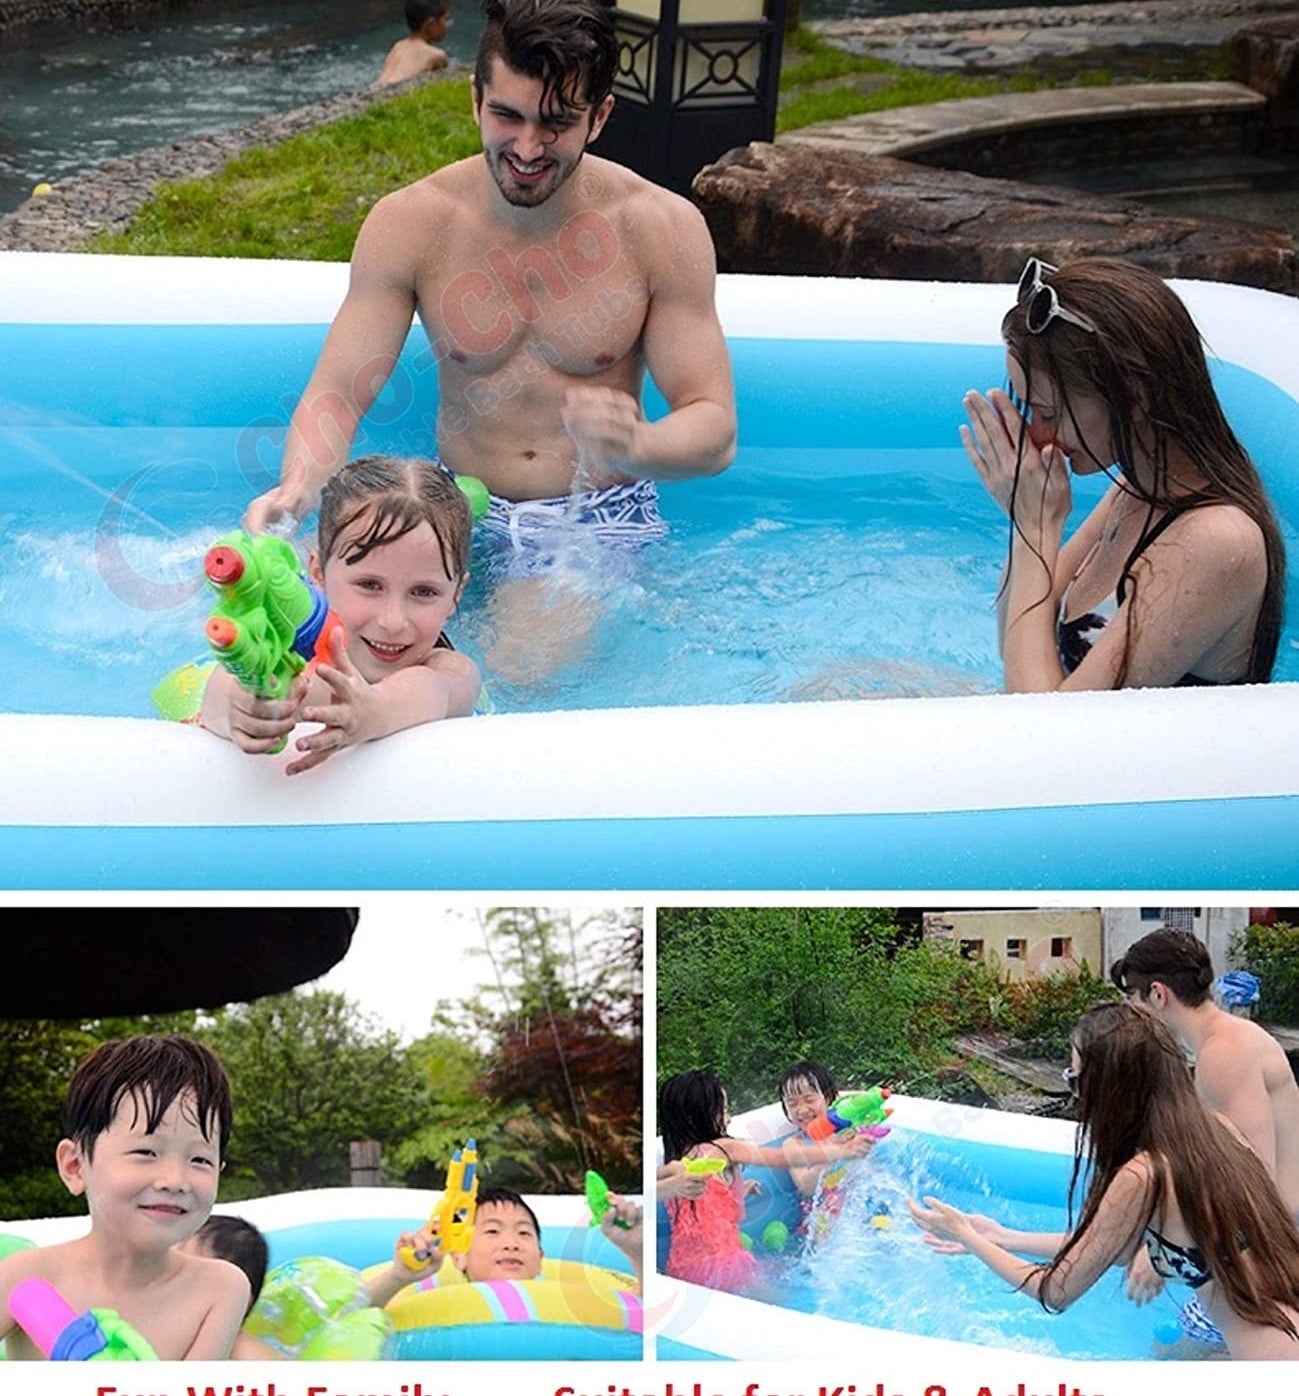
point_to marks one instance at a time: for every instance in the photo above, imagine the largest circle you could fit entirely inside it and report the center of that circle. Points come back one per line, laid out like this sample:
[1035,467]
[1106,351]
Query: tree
[310,1074]
[560,1087]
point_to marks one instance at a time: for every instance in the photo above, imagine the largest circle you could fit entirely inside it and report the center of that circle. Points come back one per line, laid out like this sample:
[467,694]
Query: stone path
[985,40]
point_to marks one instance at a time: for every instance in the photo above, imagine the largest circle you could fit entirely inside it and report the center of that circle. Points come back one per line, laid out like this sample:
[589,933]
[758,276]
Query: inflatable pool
[155,391]
[870,1267]
[584,1306]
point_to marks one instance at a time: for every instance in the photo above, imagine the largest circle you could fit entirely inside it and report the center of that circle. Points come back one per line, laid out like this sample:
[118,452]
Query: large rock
[1265,56]
[799,211]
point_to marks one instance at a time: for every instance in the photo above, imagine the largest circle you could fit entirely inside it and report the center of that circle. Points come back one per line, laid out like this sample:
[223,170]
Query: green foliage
[311,1074]
[306,198]
[1042,1011]
[559,1089]
[747,992]
[1272,953]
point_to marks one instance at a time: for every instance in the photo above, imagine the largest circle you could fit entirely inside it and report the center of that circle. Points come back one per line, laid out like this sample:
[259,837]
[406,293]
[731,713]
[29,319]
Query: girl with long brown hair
[1162,1171]
[1177,575]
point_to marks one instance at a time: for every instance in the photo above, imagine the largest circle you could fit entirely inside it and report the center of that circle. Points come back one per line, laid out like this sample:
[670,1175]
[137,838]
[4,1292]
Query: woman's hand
[1030,485]
[951,1229]
[350,717]
[979,1225]
[258,725]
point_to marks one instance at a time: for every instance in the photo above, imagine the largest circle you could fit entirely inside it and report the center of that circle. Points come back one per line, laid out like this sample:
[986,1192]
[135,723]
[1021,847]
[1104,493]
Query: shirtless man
[418,52]
[548,281]
[1240,1070]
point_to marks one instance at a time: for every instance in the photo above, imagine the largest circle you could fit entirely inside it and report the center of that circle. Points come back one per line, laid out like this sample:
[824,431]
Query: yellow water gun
[452,1219]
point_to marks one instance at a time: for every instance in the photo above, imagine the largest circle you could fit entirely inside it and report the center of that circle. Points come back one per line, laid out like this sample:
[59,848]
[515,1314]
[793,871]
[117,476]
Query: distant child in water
[418,52]
[706,1247]
[392,560]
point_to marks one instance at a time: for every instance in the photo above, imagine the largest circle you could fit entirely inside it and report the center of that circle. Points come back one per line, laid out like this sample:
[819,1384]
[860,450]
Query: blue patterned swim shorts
[538,534]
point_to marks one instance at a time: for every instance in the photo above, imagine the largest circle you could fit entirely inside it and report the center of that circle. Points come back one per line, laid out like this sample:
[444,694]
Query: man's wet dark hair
[242,1244]
[419,12]
[810,1073]
[568,45]
[1176,959]
[153,1072]
[507,1197]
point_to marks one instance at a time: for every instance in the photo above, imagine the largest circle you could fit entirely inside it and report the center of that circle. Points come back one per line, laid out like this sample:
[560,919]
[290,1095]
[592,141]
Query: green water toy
[300,1298]
[775,1236]
[364,1335]
[98,1335]
[705,1167]
[269,620]
[478,495]
[179,696]
[746,1241]
[597,1199]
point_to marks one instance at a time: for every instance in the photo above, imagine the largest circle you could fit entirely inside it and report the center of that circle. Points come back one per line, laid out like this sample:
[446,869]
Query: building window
[1061,947]
[1152,913]
[1015,949]
[1180,918]
[971,950]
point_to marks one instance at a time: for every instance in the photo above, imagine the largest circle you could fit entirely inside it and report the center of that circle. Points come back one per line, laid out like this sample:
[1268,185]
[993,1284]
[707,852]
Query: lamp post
[696,78]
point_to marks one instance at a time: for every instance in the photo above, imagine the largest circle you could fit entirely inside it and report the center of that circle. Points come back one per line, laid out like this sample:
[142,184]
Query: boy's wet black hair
[814,1074]
[242,1244]
[419,12]
[153,1071]
[507,1197]
[1176,959]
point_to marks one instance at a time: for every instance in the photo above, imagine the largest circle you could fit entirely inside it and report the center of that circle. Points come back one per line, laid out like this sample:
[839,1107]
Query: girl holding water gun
[706,1246]
[392,560]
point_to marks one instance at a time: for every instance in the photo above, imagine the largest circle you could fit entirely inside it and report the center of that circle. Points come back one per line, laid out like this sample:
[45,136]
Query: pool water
[811,569]
[889,1278]
[879,584]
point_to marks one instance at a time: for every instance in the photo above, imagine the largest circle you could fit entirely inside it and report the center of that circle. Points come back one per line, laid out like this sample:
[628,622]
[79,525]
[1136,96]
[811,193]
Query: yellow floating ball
[881,1223]
[41,190]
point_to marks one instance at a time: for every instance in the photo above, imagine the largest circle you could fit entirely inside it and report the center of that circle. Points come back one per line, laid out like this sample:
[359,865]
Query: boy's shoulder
[219,1278]
[37,1262]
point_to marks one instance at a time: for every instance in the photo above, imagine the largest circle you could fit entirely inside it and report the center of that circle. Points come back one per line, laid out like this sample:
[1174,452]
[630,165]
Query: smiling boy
[506,1244]
[146,1122]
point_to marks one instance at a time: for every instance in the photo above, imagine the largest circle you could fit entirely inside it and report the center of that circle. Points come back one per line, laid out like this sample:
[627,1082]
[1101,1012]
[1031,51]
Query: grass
[306,197]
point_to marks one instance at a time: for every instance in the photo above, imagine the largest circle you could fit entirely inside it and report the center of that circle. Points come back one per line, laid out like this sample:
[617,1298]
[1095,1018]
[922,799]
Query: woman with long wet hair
[1165,1172]
[1177,575]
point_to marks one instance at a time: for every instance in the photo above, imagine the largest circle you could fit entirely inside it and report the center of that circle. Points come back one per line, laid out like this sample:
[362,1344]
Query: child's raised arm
[794,1153]
[624,1225]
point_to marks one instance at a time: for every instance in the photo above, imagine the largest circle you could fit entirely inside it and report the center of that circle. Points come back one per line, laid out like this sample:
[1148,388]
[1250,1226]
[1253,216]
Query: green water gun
[706,1167]
[597,1199]
[863,1111]
[269,621]
[98,1335]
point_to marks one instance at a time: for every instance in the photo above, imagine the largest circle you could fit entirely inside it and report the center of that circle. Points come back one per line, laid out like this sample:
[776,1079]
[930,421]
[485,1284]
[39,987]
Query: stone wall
[793,210]
[17,15]
[1091,144]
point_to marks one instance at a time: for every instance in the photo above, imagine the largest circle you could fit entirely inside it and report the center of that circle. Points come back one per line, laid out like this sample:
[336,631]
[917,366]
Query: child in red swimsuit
[706,1248]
